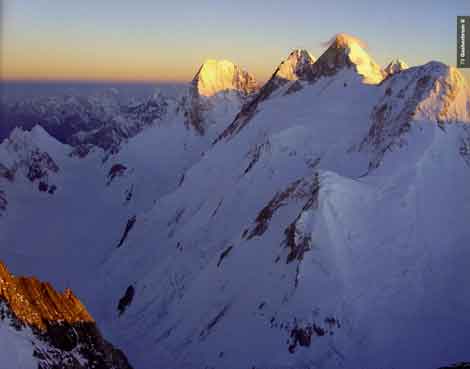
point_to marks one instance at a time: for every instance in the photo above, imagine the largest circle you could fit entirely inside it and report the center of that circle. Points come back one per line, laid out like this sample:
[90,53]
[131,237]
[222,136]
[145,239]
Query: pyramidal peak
[216,76]
[395,66]
[346,51]
[294,67]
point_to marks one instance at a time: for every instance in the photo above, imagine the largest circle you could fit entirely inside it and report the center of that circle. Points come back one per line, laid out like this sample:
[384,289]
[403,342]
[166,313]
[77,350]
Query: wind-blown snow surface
[330,232]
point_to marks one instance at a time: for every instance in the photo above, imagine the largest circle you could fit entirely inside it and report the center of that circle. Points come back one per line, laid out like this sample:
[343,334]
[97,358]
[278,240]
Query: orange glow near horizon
[75,41]
[77,65]
[107,63]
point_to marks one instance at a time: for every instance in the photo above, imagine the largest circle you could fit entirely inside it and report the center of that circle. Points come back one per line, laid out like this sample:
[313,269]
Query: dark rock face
[39,164]
[43,187]
[296,240]
[116,170]
[462,365]
[65,335]
[3,201]
[301,337]
[6,173]
[126,300]
[130,223]
[87,341]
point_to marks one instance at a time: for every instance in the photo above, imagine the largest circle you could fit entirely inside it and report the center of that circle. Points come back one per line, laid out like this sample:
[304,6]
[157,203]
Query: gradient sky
[166,40]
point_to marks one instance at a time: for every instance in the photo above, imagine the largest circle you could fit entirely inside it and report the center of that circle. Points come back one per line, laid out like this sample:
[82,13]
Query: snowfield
[318,222]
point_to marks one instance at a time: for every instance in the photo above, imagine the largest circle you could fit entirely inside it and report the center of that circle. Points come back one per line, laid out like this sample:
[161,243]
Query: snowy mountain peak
[431,93]
[294,67]
[446,95]
[22,142]
[344,40]
[395,66]
[215,76]
[346,51]
[219,89]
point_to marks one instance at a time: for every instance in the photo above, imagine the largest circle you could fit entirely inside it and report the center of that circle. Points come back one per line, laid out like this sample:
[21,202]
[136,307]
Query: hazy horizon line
[90,81]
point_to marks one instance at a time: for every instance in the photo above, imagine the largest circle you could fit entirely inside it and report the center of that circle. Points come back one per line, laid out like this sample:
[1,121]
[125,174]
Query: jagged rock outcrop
[63,333]
[37,304]
[296,66]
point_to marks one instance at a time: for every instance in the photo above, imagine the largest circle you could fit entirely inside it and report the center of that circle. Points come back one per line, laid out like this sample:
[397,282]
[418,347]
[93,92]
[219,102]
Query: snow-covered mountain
[287,78]
[217,92]
[216,76]
[317,222]
[347,52]
[41,328]
[297,66]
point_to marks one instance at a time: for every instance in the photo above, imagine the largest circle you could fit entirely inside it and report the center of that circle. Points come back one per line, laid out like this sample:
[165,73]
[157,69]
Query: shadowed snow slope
[326,228]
